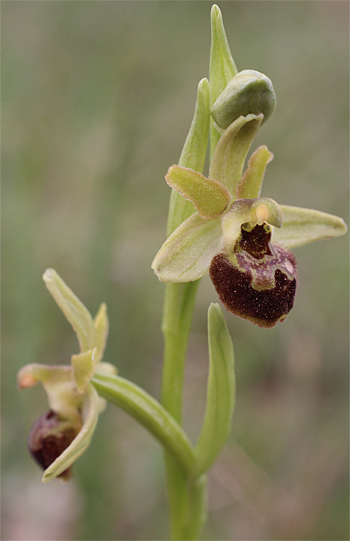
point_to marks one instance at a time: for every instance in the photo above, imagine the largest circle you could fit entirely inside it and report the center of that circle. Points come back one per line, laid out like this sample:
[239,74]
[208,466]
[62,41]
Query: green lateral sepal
[302,226]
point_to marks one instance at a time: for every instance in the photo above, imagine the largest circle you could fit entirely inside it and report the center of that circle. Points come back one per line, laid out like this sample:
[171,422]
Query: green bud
[249,92]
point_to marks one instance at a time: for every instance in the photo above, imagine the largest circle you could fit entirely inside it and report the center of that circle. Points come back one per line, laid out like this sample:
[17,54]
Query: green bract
[58,438]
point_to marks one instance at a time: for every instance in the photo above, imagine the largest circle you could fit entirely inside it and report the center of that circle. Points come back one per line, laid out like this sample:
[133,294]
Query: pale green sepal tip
[249,186]
[192,155]
[302,226]
[186,255]
[74,310]
[81,441]
[231,151]
[220,392]
[208,196]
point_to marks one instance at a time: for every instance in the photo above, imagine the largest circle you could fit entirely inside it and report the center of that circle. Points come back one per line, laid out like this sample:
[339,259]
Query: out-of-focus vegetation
[97,98]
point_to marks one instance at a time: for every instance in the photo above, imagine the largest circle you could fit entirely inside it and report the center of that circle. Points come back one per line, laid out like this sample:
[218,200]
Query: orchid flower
[243,240]
[60,436]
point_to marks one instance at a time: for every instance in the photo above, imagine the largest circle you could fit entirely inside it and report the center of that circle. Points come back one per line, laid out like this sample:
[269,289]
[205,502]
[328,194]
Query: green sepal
[90,412]
[249,186]
[228,160]
[186,255]
[74,310]
[221,66]
[220,394]
[192,155]
[248,92]
[302,226]
[208,196]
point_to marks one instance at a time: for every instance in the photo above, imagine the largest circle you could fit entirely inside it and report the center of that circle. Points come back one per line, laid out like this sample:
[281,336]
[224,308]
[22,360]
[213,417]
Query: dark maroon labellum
[48,438]
[258,282]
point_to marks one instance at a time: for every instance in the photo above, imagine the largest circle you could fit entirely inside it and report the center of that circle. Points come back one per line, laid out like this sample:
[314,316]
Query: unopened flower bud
[258,280]
[249,92]
[49,436]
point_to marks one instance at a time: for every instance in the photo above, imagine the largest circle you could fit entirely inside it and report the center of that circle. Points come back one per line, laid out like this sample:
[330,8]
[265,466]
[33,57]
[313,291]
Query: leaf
[208,196]
[220,394]
[231,151]
[249,186]
[192,155]
[186,255]
[74,310]
[301,226]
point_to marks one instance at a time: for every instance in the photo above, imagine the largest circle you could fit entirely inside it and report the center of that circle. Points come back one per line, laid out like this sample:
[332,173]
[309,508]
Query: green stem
[186,516]
[147,411]
[186,498]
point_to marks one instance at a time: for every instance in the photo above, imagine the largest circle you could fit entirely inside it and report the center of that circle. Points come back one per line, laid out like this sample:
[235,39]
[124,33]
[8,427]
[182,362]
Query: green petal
[192,155]
[81,441]
[249,186]
[84,367]
[301,226]
[220,394]
[221,66]
[102,326]
[230,153]
[186,255]
[208,196]
[74,310]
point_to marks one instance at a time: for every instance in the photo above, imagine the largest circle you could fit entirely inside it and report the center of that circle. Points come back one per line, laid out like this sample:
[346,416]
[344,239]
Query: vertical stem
[178,311]
[185,509]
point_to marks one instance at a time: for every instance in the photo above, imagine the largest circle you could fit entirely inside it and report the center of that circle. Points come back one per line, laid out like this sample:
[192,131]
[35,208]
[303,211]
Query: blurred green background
[97,99]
